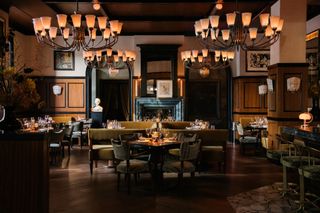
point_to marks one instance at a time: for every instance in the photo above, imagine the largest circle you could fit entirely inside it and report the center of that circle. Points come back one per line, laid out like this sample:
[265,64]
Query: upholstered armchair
[188,157]
[127,164]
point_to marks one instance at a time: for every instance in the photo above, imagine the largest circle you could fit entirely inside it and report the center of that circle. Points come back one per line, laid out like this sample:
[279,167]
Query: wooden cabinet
[24,179]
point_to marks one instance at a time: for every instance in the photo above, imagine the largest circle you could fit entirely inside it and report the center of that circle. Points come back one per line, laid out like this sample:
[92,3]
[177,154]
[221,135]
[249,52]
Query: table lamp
[306,117]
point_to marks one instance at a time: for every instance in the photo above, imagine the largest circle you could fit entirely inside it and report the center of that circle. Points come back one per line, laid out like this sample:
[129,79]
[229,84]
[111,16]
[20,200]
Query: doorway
[114,95]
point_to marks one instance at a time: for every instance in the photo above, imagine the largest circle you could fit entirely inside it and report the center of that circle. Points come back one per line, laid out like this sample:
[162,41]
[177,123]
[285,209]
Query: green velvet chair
[187,162]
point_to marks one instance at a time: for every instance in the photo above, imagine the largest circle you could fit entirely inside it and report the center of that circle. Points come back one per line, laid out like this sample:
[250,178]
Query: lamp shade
[293,84]
[56,89]
[306,117]
[262,89]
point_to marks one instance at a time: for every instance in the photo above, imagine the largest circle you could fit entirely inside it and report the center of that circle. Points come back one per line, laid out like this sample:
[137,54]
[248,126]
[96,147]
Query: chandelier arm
[268,42]
[108,45]
[54,45]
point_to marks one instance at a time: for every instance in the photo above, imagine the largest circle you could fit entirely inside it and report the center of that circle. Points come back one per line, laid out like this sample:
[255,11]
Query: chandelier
[206,60]
[112,60]
[239,32]
[74,37]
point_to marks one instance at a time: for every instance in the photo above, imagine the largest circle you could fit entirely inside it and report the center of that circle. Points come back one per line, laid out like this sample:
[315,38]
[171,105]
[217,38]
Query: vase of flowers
[17,93]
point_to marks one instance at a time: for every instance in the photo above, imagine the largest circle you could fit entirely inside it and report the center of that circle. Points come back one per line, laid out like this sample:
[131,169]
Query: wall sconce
[57,90]
[263,89]
[307,118]
[270,84]
[293,84]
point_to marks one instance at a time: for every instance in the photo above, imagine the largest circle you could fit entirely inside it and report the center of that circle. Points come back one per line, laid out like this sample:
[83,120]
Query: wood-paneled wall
[284,104]
[246,98]
[24,179]
[72,100]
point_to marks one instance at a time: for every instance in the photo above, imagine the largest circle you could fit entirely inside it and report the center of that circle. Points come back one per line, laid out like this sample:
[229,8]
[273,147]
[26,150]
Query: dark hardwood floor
[73,189]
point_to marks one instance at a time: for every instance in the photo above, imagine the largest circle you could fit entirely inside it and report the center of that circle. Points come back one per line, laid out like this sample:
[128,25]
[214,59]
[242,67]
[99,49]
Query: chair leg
[136,178]
[302,195]
[95,164]
[192,174]
[129,177]
[91,166]
[284,180]
[118,181]
[69,147]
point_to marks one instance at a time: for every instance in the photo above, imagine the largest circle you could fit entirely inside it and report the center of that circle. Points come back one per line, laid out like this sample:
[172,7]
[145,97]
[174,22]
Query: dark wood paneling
[24,179]
[284,104]
[73,97]
[246,98]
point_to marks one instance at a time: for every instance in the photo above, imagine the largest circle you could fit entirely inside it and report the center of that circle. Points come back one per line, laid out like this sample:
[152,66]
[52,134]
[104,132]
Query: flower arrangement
[17,89]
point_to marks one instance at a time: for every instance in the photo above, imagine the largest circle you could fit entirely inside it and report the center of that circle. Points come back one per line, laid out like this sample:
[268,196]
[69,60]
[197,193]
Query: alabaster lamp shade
[306,117]
[262,89]
[57,89]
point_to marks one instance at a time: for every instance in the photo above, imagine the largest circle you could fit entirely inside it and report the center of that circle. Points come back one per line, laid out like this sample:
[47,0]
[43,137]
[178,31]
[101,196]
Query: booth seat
[213,144]
[99,141]
[138,124]
[175,124]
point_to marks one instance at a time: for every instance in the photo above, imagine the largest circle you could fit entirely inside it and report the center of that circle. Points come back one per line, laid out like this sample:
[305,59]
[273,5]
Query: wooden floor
[73,189]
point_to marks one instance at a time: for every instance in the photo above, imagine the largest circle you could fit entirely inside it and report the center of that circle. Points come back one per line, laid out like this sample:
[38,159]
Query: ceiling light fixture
[219,4]
[113,60]
[46,34]
[96,4]
[240,33]
[198,60]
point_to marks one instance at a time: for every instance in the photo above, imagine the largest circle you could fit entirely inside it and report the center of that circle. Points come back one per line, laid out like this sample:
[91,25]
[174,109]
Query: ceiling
[140,17]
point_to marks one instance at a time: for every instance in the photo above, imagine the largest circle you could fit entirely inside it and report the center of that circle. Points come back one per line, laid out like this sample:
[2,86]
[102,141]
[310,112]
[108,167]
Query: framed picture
[164,88]
[257,60]
[63,60]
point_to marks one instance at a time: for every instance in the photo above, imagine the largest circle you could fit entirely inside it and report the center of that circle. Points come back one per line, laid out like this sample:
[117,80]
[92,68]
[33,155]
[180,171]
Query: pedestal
[97,119]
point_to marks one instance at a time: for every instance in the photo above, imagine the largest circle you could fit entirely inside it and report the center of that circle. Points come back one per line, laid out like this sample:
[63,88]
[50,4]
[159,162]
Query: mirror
[158,62]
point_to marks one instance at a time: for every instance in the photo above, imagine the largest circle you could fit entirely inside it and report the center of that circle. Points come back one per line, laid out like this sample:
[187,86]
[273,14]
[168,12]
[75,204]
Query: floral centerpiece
[17,92]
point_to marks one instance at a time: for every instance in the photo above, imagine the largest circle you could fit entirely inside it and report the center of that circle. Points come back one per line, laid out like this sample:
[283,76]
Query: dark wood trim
[58,77]
[257,77]
[287,65]
[283,119]
[249,113]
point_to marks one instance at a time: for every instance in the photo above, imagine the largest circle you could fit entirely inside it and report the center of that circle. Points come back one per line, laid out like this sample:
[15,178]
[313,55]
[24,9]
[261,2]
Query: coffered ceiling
[140,17]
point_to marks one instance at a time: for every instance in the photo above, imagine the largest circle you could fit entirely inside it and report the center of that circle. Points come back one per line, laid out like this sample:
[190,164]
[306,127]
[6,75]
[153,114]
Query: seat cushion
[212,154]
[136,166]
[276,154]
[101,152]
[297,161]
[311,172]
[175,166]
[175,152]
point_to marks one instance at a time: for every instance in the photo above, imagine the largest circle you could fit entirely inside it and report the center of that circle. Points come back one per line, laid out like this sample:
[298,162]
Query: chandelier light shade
[206,57]
[74,36]
[239,33]
[108,58]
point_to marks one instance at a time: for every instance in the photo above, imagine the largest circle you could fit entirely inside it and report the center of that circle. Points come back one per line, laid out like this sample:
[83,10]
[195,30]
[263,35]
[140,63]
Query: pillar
[287,59]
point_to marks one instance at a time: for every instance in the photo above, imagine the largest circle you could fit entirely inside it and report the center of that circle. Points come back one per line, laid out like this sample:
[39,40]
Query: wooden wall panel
[57,101]
[246,98]
[284,104]
[251,96]
[76,95]
[71,101]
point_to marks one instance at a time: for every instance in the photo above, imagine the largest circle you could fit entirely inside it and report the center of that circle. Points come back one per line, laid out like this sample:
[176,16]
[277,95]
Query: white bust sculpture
[97,107]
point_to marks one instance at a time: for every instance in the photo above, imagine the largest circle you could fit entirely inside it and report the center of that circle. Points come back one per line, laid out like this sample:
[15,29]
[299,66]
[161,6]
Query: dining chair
[79,133]
[188,157]
[55,140]
[67,139]
[127,165]
[247,138]
[183,137]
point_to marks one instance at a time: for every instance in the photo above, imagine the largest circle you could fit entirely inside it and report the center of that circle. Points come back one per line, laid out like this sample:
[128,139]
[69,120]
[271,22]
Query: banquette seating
[213,141]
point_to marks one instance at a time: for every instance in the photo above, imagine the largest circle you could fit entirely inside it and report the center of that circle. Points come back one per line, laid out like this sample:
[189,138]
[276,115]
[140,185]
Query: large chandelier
[112,60]
[239,32]
[75,36]
[205,60]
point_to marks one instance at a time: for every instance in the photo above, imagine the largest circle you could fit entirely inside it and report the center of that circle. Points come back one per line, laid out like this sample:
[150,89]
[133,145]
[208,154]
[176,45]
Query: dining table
[157,149]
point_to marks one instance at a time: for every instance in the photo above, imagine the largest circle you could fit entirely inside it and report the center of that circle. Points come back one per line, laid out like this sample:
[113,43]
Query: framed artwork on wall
[164,88]
[63,60]
[257,60]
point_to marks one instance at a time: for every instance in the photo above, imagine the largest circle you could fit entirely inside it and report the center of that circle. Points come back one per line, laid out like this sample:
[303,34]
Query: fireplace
[165,108]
